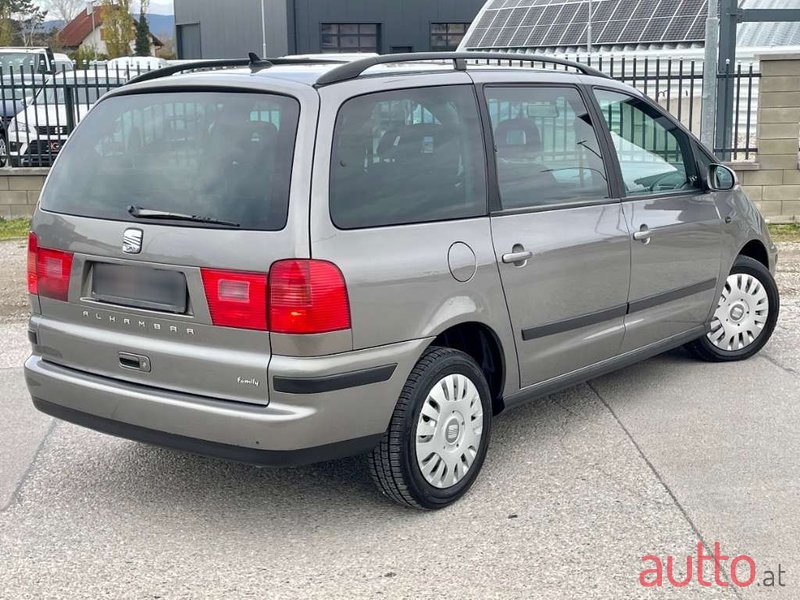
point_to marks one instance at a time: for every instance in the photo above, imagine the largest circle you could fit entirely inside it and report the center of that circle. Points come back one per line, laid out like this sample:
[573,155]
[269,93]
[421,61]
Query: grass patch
[11,229]
[785,232]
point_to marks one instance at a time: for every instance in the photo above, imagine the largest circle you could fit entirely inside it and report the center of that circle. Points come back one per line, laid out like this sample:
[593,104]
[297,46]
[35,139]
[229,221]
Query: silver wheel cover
[741,313]
[449,430]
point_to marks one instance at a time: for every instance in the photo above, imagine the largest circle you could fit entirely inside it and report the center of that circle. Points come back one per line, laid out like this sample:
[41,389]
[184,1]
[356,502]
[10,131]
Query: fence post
[69,101]
[709,90]
[729,11]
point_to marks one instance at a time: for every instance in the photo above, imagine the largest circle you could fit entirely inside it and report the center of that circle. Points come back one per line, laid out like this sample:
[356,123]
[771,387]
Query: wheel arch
[481,342]
[756,250]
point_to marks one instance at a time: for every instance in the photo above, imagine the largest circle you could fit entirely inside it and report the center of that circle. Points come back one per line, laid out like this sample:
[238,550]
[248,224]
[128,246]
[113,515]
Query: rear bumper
[320,408]
[206,448]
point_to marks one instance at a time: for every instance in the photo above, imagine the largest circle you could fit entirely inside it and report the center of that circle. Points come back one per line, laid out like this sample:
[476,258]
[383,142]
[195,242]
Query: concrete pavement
[565,508]
[576,489]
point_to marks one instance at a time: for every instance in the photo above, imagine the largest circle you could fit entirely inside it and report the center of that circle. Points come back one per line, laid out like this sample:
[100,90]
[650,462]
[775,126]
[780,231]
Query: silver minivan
[298,260]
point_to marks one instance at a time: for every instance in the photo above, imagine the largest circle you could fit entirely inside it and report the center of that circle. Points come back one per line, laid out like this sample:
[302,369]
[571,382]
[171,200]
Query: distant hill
[159,25]
[50,25]
[162,24]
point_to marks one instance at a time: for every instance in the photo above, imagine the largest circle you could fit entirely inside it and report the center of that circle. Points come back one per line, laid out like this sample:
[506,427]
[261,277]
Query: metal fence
[677,85]
[38,112]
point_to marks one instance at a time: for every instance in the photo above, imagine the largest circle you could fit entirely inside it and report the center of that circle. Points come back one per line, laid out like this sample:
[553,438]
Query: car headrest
[518,134]
[262,132]
[413,141]
[388,144]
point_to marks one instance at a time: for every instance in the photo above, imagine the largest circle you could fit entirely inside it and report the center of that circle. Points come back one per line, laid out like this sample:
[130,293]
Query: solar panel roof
[564,23]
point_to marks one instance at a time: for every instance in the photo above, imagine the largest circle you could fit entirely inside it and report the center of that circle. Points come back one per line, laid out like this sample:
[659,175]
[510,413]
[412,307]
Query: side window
[407,156]
[654,155]
[546,147]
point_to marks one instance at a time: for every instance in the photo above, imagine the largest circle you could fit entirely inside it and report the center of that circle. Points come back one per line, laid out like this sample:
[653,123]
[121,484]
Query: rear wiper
[148,213]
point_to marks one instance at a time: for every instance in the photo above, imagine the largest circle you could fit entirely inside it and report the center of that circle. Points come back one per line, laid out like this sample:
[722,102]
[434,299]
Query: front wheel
[439,433]
[745,316]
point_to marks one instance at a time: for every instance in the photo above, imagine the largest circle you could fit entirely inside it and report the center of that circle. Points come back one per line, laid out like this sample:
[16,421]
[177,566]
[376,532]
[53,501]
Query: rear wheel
[439,433]
[745,317]
[3,151]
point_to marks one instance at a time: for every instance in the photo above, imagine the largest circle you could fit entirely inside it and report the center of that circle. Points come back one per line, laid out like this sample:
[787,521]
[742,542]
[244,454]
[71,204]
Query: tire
[749,290]
[394,464]
[4,158]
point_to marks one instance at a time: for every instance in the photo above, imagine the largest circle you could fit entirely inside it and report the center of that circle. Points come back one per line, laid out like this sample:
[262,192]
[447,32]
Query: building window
[350,37]
[447,36]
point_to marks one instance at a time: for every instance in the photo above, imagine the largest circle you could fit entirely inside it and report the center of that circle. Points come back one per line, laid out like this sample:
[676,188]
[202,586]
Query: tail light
[48,270]
[307,296]
[236,299]
[33,250]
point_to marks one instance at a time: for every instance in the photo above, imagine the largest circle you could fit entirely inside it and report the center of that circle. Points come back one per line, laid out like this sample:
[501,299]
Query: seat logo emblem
[132,241]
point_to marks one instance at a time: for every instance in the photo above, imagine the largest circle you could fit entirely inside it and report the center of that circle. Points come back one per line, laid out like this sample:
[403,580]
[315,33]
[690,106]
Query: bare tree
[64,9]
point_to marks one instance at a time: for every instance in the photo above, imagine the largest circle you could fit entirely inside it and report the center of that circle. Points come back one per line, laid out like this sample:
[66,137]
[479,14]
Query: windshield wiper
[148,213]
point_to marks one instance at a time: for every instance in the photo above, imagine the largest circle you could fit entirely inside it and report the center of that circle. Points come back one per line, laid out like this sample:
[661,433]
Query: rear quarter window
[408,156]
[222,155]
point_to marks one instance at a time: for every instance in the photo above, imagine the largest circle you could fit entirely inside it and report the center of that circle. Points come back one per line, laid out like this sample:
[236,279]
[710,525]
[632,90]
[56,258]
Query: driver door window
[654,155]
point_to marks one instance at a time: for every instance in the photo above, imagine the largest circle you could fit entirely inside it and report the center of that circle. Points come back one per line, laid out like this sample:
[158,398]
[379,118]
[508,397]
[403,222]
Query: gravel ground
[13,300]
[789,270]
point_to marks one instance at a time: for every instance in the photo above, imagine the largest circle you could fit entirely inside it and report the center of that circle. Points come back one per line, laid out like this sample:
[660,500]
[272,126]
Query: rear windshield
[219,155]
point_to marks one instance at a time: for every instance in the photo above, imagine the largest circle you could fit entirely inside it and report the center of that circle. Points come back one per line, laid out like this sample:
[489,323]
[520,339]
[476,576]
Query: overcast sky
[159,7]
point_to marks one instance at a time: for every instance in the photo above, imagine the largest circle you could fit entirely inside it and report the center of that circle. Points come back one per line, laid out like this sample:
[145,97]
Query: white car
[35,136]
[63,63]
[135,64]
[40,61]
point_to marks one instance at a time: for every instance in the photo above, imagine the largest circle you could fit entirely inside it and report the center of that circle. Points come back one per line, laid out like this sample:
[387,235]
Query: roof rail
[352,70]
[253,61]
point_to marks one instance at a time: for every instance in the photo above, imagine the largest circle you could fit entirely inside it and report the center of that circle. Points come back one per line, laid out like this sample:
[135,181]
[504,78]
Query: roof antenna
[257,63]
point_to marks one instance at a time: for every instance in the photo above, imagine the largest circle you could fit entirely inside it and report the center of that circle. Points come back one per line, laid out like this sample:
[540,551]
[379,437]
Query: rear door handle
[519,257]
[134,362]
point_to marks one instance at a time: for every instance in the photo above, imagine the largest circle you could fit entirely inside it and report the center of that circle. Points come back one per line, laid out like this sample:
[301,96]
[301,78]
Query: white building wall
[94,42]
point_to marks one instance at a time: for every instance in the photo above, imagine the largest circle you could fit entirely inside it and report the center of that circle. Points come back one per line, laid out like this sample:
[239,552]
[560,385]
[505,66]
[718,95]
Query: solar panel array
[563,23]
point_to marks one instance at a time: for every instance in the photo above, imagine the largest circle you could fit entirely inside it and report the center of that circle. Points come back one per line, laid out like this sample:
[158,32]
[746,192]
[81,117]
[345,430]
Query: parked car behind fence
[39,111]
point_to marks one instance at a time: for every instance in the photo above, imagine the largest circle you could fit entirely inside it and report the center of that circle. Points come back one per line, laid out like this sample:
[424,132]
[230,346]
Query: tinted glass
[546,148]
[654,155]
[350,37]
[221,155]
[447,36]
[18,60]
[408,156]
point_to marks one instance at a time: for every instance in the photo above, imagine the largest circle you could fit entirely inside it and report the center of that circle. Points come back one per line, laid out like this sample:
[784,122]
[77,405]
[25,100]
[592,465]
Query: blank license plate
[139,287]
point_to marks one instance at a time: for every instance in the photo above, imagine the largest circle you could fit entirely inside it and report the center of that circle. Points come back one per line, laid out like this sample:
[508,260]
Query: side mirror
[721,178]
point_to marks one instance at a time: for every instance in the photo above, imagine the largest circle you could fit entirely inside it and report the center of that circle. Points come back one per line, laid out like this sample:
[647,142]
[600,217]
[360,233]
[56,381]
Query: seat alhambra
[294,260]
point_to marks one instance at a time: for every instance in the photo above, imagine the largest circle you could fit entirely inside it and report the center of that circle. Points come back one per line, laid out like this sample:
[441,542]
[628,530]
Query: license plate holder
[139,287]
